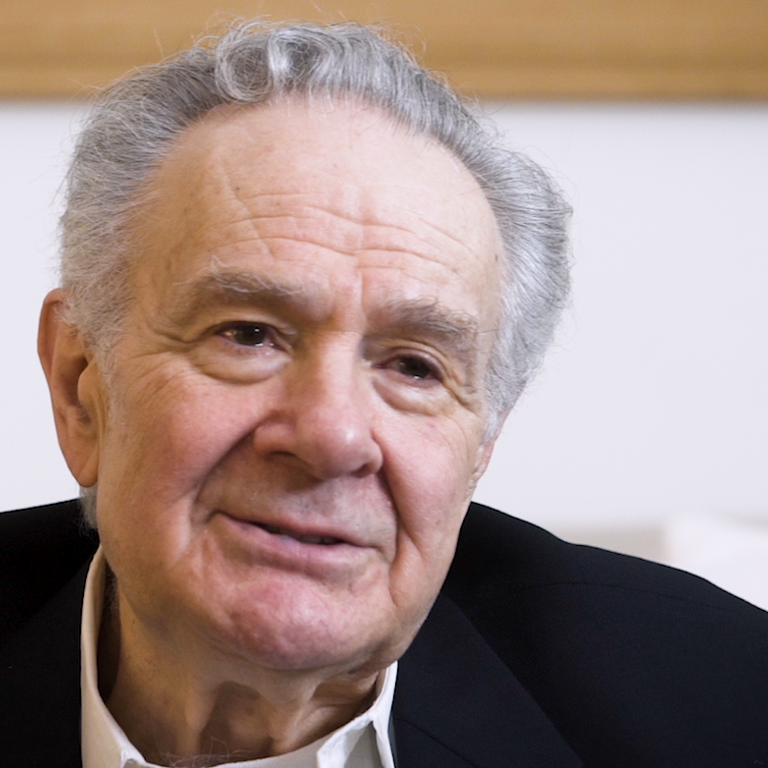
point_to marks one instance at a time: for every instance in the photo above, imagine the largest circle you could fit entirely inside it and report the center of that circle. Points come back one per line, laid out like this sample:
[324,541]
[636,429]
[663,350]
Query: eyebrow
[453,330]
[228,287]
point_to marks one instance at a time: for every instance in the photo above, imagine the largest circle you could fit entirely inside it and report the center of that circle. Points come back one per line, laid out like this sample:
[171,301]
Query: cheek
[436,459]
[157,460]
[431,483]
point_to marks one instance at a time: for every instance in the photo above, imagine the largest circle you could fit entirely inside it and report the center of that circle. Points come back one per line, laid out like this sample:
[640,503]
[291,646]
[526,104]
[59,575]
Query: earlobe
[484,453]
[66,361]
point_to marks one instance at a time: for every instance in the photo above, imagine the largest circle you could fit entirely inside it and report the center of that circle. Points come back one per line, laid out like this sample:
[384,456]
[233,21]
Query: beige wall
[493,48]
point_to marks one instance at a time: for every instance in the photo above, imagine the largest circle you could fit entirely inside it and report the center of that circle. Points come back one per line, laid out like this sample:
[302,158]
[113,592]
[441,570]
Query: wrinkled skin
[287,444]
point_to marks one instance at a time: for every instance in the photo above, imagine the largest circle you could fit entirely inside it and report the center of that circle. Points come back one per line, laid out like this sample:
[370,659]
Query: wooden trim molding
[532,49]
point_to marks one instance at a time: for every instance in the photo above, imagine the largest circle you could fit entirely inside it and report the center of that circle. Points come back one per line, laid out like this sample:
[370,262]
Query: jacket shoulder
[499,555]
[41,548]
[626,657]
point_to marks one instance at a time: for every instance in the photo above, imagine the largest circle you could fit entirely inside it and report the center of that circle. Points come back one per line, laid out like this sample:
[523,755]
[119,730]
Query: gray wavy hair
[134,123]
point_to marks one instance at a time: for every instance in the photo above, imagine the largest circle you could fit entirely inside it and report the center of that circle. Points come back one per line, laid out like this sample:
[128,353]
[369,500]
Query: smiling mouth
[303,538]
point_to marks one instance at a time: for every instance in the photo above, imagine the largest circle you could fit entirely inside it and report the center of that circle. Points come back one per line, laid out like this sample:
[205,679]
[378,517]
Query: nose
[325,421]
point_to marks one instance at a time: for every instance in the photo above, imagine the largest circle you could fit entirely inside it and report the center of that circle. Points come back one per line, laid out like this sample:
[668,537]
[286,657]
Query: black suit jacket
[536,653]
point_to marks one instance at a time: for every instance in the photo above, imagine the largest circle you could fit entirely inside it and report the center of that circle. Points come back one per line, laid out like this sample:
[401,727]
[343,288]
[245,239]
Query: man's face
[289,440]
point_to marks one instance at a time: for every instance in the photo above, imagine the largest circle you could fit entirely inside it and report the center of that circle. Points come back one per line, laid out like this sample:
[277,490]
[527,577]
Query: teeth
[304,539]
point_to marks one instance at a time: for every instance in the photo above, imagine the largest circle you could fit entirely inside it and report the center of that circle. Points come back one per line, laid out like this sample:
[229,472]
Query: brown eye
[247,334]
[414,368]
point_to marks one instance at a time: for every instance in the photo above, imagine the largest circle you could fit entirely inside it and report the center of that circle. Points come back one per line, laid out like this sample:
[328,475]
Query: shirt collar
[105,745]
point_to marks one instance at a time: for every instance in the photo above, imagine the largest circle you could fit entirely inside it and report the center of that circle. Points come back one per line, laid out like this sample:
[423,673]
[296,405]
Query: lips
[303,538]
[314,549]
[302,534]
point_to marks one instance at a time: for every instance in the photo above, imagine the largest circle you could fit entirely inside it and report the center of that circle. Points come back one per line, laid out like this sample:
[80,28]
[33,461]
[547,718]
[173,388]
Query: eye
[248,334]
[415,368]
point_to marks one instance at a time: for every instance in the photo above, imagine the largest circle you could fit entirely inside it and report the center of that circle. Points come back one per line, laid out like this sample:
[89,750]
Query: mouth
[317,537]
[296,546]
[301,537]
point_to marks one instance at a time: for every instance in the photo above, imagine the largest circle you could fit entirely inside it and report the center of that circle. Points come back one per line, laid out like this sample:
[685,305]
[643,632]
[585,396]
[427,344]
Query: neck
[180,708]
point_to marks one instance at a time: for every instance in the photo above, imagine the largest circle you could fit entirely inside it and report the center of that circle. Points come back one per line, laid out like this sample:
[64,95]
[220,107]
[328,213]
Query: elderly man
[301,289]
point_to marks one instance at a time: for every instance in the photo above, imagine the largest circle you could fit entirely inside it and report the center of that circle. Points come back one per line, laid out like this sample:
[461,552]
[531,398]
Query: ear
[485,451]
[69,368]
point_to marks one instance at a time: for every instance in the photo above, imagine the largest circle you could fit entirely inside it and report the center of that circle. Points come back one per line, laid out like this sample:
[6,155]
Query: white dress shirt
[361,743]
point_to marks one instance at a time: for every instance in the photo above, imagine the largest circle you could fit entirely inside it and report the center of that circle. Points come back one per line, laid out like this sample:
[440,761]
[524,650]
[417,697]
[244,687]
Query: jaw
[198,704]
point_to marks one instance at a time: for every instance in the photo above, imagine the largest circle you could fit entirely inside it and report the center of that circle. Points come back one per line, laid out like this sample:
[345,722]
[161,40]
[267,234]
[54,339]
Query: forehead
[278,185]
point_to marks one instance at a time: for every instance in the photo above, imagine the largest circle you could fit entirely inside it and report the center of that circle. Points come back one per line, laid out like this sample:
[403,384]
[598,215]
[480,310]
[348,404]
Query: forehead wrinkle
[364,219]
[372,237]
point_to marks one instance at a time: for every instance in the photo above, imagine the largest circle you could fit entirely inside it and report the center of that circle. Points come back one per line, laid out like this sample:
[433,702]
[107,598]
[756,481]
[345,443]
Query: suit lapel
[40,681]
[457,705]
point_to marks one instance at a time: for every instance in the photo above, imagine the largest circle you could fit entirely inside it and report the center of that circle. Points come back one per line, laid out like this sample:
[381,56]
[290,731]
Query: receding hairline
[352,108]
[187,161]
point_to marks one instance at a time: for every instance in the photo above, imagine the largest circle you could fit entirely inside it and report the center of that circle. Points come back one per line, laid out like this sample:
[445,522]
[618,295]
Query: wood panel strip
[492,48]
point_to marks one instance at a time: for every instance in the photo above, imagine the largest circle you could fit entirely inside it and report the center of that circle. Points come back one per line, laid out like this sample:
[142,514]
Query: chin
[304,649]
[302,633]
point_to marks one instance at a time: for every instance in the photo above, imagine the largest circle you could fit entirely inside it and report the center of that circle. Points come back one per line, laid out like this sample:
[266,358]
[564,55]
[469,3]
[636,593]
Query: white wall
[655,399]
[34,141]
